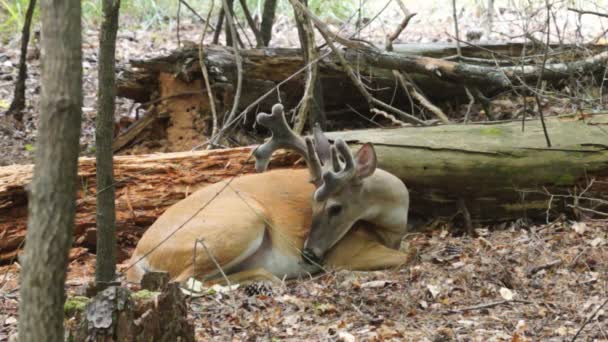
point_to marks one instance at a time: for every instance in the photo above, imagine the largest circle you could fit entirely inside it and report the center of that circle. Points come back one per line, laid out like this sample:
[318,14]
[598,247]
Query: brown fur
[277,203]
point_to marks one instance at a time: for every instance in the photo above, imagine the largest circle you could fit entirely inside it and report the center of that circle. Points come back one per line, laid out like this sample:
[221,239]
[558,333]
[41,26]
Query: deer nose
[310,257]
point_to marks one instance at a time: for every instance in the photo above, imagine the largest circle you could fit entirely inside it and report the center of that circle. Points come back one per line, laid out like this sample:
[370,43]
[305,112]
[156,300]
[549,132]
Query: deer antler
[284,137]
[335,180]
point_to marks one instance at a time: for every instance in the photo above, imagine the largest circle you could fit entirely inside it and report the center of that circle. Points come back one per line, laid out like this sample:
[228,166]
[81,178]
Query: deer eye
[334,210]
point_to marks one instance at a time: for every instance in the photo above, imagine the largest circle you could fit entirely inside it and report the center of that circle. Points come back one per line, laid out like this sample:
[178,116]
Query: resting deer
[343,212]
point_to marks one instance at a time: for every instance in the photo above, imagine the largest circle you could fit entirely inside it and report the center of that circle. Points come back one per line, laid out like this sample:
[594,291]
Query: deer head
[342,196]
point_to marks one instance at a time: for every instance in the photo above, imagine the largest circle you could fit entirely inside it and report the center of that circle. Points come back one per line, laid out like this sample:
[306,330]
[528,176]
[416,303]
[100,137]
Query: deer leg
[360,250]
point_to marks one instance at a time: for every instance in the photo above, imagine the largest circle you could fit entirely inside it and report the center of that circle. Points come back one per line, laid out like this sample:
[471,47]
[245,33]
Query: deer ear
[366,161]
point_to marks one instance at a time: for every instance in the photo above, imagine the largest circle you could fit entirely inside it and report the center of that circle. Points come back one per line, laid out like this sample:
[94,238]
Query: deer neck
[387,203]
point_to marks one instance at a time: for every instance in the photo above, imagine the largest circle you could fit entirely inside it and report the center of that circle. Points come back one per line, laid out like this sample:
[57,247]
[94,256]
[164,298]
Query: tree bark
[229,40]
[218,27]
[270,7]
[18,103]
[53,189]
[106,218]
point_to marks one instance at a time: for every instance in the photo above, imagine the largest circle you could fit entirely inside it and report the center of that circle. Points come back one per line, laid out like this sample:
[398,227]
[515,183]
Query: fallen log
[145,186]
[432,68]
[173,84]
[498,170]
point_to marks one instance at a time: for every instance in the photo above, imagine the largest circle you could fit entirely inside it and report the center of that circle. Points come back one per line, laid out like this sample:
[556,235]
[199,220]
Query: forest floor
[515,283]
[512,283]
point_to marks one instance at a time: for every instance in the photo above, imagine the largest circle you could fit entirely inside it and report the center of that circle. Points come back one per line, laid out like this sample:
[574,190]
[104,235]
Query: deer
[341,212]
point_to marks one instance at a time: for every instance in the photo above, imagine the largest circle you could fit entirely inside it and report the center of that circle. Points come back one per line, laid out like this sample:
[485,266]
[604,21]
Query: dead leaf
[506,294]
[433,290]
[376,284]
[325,308]
[344,336]
[579,227]
[598,241]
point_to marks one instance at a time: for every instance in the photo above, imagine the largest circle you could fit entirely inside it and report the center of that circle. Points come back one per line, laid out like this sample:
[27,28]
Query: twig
[307,38]
[421,98]
[540,76]
[469,106]
[258,36]
[391,38]
[321,27]
[179,8]
[455,15]
[206,21]
[13,259]
[587,210]
[487,305]
[363,116]
[468,223]
[388,116]
[459,56]
[539,268]
[589,320]
[408,86]
[210,255]
[605,15]
[239,67]
[403,8]
[18,103]
[206,73]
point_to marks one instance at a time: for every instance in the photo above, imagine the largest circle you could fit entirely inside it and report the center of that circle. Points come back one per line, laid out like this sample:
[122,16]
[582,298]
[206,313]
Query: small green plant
[74,305]
[29,147]
[144,294]
[12,15]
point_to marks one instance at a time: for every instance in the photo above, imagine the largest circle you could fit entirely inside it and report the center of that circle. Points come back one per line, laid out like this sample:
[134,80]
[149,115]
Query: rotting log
[145,186]
[498,170]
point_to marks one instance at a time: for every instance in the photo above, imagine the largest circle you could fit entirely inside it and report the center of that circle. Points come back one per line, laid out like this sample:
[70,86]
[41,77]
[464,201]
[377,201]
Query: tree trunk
[53,189]
[270,7]
[229,40]
[496,170]
[18,103]
[218,26]
[106,217]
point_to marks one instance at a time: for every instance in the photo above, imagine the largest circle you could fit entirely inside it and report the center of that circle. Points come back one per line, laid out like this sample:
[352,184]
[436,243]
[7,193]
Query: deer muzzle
[312,256]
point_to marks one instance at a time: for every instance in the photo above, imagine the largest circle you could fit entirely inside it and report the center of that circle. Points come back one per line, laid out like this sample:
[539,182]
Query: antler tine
[282,137]
[335,161]
[322,145]
[332,181]
[314,165]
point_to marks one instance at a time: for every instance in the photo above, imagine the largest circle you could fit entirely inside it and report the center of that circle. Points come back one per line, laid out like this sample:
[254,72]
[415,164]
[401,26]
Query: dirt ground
[516,282]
